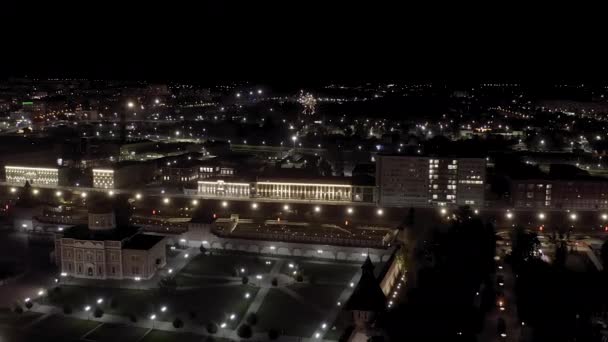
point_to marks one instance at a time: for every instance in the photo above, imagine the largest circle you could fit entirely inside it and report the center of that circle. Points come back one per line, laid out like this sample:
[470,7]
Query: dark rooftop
[368,295]
[143,241]
[82,232]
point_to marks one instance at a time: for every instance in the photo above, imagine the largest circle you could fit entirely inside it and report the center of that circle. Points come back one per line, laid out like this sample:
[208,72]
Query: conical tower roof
[368,296]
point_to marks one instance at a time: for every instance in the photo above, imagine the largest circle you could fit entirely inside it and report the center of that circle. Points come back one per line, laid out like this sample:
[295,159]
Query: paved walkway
[261,295]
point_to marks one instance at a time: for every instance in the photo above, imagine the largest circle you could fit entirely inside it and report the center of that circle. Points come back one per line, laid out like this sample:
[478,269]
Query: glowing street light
[254,206]
[380,212]
[13,190]
[194,202]
[58,194]
[138,196]
[166,200]
[604,217]
[224,204]
[99,300]
[111,193]
[83,195]
[223,325]
[232,317]
[443,211]
[349,210]
[35,191]
[286,207]
[573,216]
[509,215]
[247,295]
[541,216]
[163,309]
[130,104]
[317,209]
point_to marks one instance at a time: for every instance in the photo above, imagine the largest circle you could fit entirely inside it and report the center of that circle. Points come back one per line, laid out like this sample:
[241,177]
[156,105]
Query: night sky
[299,41]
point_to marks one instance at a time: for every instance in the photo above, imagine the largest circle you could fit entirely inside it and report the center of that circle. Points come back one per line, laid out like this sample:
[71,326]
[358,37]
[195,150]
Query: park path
[159,325]
[261,295]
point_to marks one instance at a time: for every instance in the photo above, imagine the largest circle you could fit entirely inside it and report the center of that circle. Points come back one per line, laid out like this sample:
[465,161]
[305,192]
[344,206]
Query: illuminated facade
[224,189]
[304,191]
[34,175]
[103,178]
[283,190]
[423,181]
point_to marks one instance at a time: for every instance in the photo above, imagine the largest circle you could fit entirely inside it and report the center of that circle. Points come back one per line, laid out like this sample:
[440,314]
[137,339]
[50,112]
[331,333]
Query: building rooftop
[82,232]
[368,295]
[143,241]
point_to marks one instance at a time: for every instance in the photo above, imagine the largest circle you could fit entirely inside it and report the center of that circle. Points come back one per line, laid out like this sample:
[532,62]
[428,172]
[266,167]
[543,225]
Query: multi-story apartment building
[419,181]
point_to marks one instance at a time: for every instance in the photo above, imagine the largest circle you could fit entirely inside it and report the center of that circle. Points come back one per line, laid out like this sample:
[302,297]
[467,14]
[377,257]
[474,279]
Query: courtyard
[294,296]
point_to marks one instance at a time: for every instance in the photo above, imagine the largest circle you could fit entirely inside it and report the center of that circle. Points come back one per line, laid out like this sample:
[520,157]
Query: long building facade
[280,189]
[418,181]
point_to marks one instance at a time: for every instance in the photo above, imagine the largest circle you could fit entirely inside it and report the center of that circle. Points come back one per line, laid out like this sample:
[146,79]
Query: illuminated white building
[334,190]
[34,175]
[422,181]
[220,188]
[304,191]
[103,178]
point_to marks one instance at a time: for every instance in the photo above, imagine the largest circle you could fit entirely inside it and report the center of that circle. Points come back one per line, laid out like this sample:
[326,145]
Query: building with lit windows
[221,188]
[34,175]
[103,178]
[322,190]
[101,250]
[123,175]
[419,181]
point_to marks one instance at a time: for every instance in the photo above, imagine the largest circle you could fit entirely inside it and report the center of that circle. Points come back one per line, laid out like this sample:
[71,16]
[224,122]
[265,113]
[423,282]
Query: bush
[29,304]
[177,323]
[192,315]
[211,328]
[202,249]
[18,309]
[273,334]
[244,331]
[98,312]
[67,309]
[132,318]
[57,289]
[275,282]
[245,280]
[252,319]
[299,278]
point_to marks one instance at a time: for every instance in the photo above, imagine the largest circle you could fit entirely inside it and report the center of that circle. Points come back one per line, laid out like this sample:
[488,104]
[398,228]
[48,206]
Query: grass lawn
[284,313]
[208,304]
[61,328]
[227,264]
[334,272]
[323,296]
[116,333]
[14,320]
[166,336]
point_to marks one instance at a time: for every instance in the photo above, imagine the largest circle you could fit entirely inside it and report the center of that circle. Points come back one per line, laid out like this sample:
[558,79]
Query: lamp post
[153,318]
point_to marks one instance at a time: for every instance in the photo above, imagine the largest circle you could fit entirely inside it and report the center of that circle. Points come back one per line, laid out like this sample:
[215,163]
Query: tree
[410,218]
[18,309]
[203,249]
[525,244]
[244,331]
[211,328]
[132,317]
[299,278]
[273,334]
[604,255]
[275,282]
[29,304]
[178,323]
[167,284]
[67,309]
[98,312]
[245,280]
[561,253]
[252,319]
[192,315]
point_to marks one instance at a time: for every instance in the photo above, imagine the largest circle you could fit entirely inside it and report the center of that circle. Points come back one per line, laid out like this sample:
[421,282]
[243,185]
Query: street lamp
[349,210]
[286,207]
[317,209]
[138,196]
[509,215]
[130,104]
[573,216]
[152,318]
[541,216]
[380,212]
[99,300]
[224,204]
[163,309]
[604,217]
[294,138]
[87,309]
[254,206]
[194,202]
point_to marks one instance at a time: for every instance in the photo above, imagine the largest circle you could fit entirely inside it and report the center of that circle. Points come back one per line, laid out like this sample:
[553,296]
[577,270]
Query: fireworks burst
[308,101]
